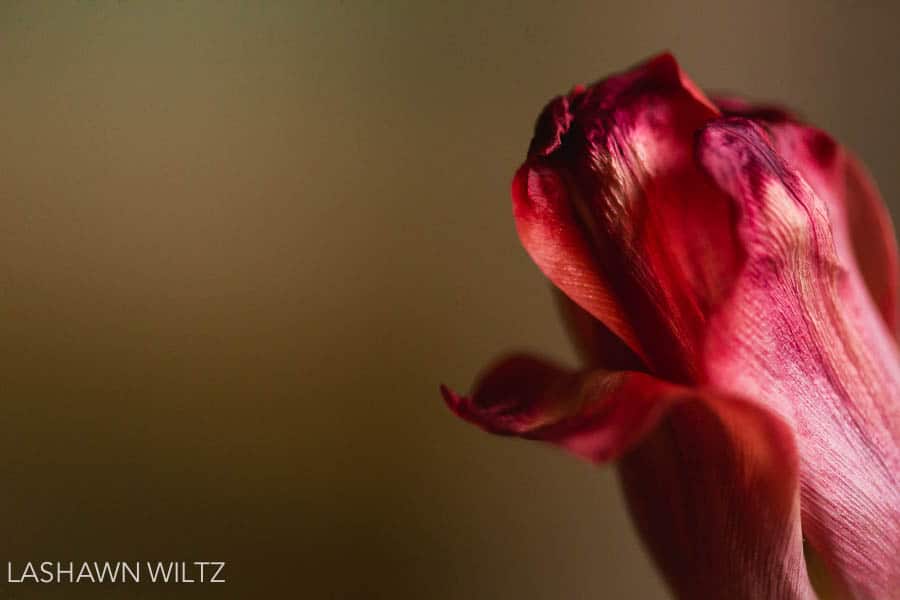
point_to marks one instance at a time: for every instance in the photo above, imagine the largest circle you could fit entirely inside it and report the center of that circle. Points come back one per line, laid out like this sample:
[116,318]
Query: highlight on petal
[549,230]
[792,336]
[714,493]
[863,233]
[596,414]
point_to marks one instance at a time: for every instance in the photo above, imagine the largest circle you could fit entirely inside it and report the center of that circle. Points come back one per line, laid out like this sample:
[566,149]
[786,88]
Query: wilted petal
[595,414]
[613,209]
[792,336]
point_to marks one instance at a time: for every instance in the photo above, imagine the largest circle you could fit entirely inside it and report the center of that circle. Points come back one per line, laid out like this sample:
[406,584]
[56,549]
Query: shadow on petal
[714,493]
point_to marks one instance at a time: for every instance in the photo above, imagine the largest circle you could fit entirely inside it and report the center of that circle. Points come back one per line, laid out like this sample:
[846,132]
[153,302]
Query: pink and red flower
[730,276]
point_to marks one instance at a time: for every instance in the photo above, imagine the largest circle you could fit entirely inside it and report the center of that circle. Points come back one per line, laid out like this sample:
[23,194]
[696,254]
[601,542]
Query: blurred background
[241,245]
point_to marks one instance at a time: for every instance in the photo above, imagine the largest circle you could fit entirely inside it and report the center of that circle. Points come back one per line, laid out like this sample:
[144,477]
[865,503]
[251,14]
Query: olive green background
[241,244]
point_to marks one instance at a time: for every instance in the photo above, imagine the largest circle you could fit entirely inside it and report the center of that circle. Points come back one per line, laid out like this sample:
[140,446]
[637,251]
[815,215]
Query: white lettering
[157,574]
[46,569]
[134,574]
[48,572]
[29,573]
[85,573]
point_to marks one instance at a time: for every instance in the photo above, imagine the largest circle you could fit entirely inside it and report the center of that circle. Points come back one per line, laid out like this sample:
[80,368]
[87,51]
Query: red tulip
[730,275]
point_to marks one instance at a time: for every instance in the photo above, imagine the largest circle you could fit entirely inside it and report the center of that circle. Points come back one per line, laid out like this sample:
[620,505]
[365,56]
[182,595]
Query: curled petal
[791,335]
[596,415]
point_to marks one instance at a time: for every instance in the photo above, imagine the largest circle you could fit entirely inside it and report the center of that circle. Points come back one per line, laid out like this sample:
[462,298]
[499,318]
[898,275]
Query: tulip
[729,275]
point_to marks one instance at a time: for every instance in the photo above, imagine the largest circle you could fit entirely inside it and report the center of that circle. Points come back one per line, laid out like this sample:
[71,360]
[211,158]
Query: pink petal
[795,334]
